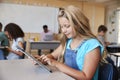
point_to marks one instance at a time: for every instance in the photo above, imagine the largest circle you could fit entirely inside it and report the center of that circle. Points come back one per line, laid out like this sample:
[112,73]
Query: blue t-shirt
[86,47]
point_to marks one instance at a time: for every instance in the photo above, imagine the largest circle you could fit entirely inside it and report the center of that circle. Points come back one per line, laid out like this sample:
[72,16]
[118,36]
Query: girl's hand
[37,57]
[49,61]
[40,58]
[9,49]
[45,60]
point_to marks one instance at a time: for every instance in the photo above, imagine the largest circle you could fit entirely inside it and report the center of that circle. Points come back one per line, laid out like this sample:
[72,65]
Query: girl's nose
[64,30]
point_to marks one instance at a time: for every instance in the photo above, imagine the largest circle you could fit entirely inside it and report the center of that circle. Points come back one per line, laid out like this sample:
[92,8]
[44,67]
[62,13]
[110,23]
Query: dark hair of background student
[102,28]
[45,26]
[14,30]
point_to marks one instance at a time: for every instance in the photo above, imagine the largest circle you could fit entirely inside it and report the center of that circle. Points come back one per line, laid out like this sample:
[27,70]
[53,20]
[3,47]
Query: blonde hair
[78,21]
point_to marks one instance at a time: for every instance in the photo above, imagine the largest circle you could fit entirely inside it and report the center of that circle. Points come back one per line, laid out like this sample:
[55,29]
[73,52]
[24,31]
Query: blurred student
[3,42]
[16,34]
[46,35]
[79,52]
[102,29]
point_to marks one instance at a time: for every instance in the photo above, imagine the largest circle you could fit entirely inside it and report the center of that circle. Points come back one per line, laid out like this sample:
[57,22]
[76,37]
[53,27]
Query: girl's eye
[67,26]
[61,26]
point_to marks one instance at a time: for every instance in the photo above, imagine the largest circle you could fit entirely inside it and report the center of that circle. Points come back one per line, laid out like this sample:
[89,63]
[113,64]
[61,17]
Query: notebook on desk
[38,62]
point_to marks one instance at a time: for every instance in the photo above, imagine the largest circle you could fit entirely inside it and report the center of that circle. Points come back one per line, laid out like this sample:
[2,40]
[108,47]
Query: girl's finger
[34,62]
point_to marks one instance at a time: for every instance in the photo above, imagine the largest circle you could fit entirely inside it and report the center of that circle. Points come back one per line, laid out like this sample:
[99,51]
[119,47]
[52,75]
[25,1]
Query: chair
[24,47]
[105,71]
[115,69]
[110,60]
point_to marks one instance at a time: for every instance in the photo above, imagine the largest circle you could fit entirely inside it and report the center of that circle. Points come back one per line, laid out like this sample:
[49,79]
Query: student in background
[3,42]
[79,52]
[16,34]
[102,29]
[46,35]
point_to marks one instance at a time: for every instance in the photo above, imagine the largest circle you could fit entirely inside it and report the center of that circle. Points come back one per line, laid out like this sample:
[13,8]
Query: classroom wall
[95,12]
[31,18]
[111,22]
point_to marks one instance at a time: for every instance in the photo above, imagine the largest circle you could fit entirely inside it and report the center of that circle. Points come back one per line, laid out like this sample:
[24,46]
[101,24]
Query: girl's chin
[69,37]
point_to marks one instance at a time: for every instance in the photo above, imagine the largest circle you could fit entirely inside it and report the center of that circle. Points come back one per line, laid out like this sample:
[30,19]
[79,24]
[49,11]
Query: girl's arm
[20,44]
[89,68]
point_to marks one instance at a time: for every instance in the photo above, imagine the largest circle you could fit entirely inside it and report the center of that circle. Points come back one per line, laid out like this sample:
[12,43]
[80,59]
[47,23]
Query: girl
[79,52]
[14,33]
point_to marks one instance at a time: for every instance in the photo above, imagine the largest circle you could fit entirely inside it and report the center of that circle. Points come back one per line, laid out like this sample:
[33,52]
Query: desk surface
[44,45]
[114,45]
[45,41]
[114,48]
[24,69]
[115,54]
[3,47]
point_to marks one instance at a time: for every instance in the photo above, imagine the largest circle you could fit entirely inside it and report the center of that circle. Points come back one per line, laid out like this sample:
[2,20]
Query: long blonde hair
[78,21]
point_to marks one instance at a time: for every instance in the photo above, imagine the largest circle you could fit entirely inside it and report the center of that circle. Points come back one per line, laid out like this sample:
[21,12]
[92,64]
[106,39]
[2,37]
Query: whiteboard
[29,18]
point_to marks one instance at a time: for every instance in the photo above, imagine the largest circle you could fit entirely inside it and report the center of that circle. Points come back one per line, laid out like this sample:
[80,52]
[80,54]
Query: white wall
[30,18]
[111,16]
[111,35]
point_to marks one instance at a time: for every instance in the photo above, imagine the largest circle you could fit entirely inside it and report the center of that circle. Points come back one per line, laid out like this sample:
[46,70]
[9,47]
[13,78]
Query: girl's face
[8,35]
[102,33]
[66,28]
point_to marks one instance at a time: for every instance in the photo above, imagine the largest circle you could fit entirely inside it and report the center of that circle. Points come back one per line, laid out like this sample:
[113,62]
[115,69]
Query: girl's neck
[77,39]
[75,42]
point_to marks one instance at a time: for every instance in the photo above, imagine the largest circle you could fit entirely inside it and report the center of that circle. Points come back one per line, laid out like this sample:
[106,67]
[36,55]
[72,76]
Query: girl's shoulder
[92,41]
[20,39]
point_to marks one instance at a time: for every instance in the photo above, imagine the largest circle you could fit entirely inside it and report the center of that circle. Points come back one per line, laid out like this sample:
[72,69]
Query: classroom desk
[116,55]
[44,45]
[24,69]
[113,48]
[3,47]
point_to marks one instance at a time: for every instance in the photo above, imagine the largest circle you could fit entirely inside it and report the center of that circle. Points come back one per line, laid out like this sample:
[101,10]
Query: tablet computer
[38,62]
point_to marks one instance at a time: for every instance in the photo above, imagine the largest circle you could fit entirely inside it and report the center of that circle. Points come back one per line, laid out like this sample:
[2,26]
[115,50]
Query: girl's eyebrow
[65,24]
